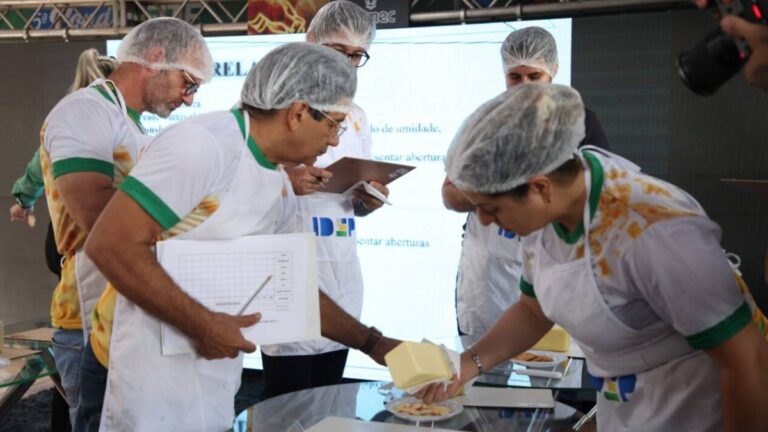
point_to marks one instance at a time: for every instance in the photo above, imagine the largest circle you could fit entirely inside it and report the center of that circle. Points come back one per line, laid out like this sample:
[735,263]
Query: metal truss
[99,19]
[425,12]
[31,20]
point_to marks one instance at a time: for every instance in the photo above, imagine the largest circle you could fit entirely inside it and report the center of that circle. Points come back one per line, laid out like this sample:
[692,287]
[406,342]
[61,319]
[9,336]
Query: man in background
[89,143]
[489,269]
[214,176]
[347,28]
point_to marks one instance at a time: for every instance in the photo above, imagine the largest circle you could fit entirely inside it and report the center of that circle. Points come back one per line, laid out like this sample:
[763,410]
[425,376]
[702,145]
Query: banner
[293,16]
[281,16]
[388,13]
[46,17]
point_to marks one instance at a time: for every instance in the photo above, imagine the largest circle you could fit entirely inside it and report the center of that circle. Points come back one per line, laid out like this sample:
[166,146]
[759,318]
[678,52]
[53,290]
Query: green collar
[255,150]
[136,117]
[594,198]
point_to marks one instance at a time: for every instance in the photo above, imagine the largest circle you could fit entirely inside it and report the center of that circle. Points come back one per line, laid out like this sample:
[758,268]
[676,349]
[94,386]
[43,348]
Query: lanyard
[108,89]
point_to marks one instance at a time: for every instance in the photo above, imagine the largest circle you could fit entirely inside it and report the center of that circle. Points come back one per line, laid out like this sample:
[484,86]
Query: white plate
[454,406]
[557,358]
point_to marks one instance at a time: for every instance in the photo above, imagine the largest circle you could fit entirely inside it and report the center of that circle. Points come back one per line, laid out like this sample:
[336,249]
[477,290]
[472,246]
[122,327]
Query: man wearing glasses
[90,142]
[490,264]
[348,29]
[214,176]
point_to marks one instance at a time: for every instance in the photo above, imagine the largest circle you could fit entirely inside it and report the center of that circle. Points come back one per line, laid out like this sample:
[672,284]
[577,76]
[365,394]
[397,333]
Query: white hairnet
[301,71]
[343,22]
[183,47]
[529,130]
[532,47]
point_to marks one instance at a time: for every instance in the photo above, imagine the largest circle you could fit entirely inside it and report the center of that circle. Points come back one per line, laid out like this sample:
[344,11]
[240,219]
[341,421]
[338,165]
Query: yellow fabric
[101,324]
[104,312]
[757,315]
[65,304]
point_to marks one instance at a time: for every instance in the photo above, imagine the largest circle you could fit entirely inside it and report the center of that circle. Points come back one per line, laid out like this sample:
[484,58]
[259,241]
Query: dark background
[624,67]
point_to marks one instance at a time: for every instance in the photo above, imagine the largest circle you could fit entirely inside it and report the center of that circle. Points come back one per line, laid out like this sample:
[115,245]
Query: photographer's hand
[703,4]
[756,36]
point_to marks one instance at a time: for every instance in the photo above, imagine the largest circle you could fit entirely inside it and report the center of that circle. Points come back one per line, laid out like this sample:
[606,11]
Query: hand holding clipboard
[352,173]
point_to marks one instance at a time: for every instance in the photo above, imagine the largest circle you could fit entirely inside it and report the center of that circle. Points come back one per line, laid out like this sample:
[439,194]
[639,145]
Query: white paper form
[224,274]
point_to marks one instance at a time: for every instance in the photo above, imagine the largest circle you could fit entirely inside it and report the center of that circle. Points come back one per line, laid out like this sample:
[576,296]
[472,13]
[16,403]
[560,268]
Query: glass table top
[25,360]
[26,369]
[301,410]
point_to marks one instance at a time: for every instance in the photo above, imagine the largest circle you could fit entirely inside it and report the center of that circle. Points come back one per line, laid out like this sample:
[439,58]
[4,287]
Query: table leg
[582,421]
[50,363]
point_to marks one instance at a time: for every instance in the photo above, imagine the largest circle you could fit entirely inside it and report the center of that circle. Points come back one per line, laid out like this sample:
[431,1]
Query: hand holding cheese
[414,365]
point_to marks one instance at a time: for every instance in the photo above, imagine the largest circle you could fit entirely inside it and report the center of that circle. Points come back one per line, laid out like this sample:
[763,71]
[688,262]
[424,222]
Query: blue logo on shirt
[506,234]
[617,389]
[327,227]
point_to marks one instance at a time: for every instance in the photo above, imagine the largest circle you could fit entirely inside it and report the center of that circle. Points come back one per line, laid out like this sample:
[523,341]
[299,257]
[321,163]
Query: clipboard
[757,187]
[347,172]
[286,264]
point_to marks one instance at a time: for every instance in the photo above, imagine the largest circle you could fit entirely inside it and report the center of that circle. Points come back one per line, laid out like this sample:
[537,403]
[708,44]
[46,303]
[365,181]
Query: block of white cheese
[414,364]
[556,339]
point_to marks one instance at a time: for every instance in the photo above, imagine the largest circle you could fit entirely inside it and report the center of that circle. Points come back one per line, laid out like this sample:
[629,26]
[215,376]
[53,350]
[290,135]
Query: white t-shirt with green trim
[206,159]
[85,131]
[656,256]
[198,179]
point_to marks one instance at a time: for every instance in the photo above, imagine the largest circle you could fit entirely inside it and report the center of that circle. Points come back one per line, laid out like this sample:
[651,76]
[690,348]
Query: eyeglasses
[358,58]
[336,127]
[191,85]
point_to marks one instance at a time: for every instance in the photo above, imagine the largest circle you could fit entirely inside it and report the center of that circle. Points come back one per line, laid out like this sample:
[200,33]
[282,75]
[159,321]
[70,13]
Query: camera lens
[709,64]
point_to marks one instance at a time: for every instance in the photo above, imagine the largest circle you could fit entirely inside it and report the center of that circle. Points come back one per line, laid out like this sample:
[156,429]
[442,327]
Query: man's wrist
[374,336]
[360,208]
[360,203]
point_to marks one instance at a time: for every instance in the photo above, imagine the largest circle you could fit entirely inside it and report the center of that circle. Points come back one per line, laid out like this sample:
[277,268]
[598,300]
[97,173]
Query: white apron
[649,379]
[489,275]
[90,282]
[147,391]
[332,219]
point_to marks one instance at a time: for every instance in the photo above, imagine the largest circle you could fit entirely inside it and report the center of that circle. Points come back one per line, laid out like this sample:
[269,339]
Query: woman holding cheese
[650,298]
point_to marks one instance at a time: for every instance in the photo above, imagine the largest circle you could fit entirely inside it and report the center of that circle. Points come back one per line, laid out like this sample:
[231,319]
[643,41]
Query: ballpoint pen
[263,284]
[320,180]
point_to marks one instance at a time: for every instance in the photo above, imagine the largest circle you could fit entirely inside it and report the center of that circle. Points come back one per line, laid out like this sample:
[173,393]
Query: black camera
[718,57]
